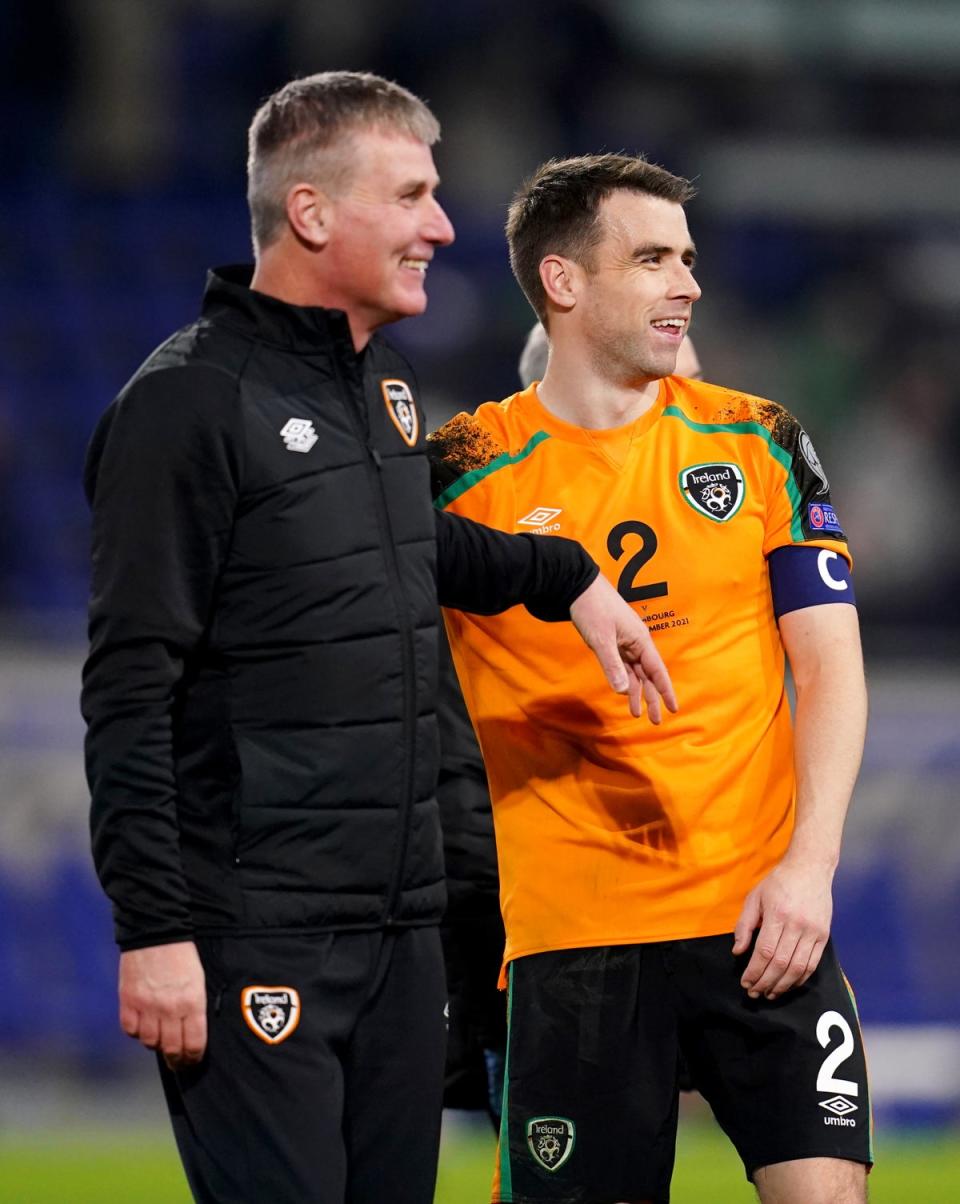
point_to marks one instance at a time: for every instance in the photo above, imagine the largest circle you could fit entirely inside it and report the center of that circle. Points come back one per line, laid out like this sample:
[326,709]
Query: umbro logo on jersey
[551,1140]
[271,1013]
[398,399]
[298,434]
[715,490]
[539,517]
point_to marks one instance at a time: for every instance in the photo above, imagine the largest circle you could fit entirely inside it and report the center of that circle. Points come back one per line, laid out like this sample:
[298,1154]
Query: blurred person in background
[669,892]
[260,687]
[472,928]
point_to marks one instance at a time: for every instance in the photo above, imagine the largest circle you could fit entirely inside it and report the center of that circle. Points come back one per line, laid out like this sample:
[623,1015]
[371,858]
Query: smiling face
[636,293]
[382,228]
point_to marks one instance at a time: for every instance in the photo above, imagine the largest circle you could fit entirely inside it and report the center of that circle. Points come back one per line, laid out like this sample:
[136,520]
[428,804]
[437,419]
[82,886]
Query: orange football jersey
[610,830]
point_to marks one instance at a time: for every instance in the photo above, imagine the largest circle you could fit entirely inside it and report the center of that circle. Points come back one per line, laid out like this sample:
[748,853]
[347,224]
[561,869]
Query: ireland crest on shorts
[551,1140]
[715,490]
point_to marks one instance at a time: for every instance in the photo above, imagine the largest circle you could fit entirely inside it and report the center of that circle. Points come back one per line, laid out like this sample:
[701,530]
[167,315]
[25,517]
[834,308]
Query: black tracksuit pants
[323,1077]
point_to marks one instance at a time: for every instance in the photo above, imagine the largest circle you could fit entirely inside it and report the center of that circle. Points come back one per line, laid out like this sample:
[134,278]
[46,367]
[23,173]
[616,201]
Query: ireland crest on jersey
[551,1140]
[715,490]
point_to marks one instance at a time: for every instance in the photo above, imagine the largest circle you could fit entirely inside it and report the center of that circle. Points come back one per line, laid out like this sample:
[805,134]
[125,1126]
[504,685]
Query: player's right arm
[162,479]
[814,603]
[793,904]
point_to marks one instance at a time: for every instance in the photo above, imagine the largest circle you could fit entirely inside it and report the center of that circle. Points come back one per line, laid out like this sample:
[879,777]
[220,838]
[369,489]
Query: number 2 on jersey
[626,583]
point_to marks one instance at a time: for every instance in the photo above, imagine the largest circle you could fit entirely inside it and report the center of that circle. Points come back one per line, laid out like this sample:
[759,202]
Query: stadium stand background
[823,134]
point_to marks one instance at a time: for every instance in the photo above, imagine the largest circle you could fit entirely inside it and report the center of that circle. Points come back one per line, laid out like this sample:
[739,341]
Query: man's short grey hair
[300,134]
[533,358]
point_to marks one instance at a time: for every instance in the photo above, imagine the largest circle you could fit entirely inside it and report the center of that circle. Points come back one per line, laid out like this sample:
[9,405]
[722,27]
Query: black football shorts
[595,1036]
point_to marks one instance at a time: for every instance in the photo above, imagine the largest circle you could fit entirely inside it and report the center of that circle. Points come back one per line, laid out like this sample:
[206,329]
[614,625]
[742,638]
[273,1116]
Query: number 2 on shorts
[825,1080]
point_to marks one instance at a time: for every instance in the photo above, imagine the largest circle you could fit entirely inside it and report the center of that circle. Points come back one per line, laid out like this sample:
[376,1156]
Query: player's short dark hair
[557,210]
[300,133]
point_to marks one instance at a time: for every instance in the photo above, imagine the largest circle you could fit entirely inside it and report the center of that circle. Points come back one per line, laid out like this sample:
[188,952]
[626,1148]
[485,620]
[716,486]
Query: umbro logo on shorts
[271,1013]
[840,1107]
[551,1140]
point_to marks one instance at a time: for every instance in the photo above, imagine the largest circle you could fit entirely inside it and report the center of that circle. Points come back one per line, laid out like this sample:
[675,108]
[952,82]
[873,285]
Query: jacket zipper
[408,727]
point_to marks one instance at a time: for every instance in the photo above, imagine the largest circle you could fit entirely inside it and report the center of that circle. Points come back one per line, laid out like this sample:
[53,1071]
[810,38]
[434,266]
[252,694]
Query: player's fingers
[785,967]
[652,699]
[768,938]
[129,1020]
[656,671]
[612,663]
[194,1037]
[148,1030]
[170,1041]
[816,952]
[637,648]
[635,692]
[747,924]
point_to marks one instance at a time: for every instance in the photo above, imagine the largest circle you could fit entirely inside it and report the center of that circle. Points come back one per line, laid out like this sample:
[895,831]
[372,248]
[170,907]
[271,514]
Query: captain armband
[807,576]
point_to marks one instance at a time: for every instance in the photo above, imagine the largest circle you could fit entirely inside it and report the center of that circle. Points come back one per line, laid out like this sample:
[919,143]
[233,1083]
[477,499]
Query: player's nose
[437,227]
[685,285]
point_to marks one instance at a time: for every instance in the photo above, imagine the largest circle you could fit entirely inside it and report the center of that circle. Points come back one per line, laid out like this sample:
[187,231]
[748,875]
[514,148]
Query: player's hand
[792,907]
[619,639]
[163,1001]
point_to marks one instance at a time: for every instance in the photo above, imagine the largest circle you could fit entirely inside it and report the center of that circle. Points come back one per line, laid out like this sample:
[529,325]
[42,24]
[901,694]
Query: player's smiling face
[638,290]
[384,227]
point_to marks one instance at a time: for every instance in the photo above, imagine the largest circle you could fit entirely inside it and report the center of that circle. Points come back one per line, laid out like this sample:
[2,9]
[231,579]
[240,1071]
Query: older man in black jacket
[260,690]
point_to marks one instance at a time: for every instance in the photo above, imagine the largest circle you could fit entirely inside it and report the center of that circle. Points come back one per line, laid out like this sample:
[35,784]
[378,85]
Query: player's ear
[559,279]
[310,213]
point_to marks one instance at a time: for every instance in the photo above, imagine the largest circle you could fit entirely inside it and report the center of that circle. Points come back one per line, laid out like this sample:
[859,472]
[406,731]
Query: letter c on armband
[823,564]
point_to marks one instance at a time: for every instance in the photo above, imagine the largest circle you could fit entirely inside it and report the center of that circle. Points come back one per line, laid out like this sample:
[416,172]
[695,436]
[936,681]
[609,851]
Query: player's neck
[294,279]
[574,393]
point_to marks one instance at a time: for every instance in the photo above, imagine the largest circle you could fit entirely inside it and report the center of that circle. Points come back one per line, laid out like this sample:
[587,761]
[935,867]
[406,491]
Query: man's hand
[792,907]
[163,1001]
[619,639]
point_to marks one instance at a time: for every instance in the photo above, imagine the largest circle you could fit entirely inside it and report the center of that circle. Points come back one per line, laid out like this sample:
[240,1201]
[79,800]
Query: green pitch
[923,1170]
[94,1168]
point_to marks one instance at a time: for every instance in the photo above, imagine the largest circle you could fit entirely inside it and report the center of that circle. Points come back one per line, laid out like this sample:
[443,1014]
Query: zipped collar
[228,298]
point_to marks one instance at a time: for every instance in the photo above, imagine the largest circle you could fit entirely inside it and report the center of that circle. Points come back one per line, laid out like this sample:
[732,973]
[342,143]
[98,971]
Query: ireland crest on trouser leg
[551,1140]
[271,1013]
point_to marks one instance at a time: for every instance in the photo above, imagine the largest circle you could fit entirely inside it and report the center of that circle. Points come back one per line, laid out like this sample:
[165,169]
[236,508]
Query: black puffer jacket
[260,690]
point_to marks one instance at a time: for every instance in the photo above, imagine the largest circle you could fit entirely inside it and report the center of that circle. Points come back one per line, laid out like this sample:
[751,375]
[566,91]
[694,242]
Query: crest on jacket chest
[401,407]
